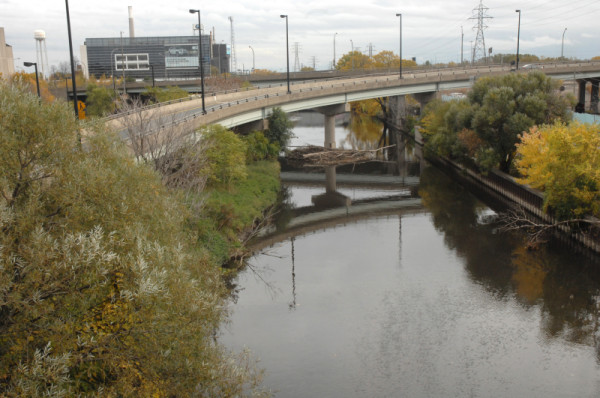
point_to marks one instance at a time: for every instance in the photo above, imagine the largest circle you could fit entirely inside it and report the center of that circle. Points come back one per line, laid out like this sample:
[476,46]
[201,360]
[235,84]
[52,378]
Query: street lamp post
[37,80]
[200,57]
[333,64]
[113,68]
[562,47]
[352,53]
[518,38]
[400,15]
[72,63]
[123,65]
[287,52]
[252,58]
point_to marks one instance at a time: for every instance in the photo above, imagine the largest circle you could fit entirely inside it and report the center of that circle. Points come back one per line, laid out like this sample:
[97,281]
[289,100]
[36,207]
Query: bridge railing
[344,81]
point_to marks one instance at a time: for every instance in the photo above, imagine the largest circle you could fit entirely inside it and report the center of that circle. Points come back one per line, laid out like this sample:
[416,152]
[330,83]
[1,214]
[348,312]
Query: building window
[132,62]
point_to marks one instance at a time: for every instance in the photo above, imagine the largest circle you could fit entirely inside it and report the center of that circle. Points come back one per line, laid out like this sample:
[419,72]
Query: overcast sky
[431,29]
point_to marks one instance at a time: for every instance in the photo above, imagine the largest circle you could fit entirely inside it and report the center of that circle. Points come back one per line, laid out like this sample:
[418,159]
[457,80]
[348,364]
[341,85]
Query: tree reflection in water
[565,285]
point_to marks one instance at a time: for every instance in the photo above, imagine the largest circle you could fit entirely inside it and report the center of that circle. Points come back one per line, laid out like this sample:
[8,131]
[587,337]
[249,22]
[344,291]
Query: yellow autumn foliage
[563,161]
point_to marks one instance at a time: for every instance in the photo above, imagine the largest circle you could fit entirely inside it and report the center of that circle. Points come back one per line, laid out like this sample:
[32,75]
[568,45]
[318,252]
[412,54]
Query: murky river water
[421,299]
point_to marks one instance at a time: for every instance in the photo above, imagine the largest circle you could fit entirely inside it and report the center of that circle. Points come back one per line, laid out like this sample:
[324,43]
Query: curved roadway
[239,107]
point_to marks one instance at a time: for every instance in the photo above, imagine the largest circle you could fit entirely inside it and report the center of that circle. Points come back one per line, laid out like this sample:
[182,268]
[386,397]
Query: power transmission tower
[480,14]
[297,59]
[233,58]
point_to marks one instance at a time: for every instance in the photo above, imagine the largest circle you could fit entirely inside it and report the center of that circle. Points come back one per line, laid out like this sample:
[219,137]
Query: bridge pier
[329,112]
[580,107]
[594,99]
[331,197]
[425,98]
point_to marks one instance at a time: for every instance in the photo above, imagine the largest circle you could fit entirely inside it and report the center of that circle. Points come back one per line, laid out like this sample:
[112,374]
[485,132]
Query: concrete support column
[425,98]
[580,107]
[595,97]
[330,179]
[330,112]
[329,131]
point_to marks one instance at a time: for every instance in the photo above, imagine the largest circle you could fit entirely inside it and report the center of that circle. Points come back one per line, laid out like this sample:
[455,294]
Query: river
[411,291]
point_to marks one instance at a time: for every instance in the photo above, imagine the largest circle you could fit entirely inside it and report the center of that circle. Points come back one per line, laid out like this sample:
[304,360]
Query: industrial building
[172,57]
[7,62]
[161,58]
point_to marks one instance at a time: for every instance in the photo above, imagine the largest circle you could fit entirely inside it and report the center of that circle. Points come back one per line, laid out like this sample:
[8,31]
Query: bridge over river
[331,96]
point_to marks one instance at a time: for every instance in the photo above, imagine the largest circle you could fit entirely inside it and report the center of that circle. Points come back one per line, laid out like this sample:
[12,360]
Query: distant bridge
[331,96]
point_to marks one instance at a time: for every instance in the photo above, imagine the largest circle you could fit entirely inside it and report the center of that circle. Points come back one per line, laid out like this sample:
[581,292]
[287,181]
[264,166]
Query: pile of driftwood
[320,156]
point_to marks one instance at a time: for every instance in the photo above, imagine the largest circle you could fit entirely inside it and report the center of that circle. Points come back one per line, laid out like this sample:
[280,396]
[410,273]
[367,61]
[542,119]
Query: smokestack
[131,30]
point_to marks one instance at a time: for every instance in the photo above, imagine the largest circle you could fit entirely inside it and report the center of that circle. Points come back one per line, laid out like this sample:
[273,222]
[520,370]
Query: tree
[226,155]
[28,80]
[100,100]
[563,161]
[387,59]
[166,144]
[498,110]
[280,128]
[354,60]
[102,289]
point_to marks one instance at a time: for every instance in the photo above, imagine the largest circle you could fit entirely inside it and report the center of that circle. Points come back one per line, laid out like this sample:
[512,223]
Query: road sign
[81,109]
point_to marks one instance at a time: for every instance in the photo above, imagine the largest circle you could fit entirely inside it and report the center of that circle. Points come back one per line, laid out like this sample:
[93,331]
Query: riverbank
[231,213]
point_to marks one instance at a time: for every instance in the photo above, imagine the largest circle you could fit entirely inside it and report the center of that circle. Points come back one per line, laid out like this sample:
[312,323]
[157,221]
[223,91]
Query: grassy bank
[232,211]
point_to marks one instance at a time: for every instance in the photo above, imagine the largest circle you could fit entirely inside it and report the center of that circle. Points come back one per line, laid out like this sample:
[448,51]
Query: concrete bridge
[332,96]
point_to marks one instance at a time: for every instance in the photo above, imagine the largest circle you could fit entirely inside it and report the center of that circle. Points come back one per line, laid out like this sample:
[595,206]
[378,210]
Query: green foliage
[498,110]
[103,291]
[159,94]
[100,100]
[280,128]
[226,155]
[564,161]
[231,211]
[259,147]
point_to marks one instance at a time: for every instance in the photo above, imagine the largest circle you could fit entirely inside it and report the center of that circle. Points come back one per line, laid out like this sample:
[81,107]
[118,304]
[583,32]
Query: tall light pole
[352,53]
[200,58]
[562,47]
[462,39]
[123,65]
[333,64]
[252,58]
[400,15]
[37,80]
[287,52]
[72,62]
[518,38]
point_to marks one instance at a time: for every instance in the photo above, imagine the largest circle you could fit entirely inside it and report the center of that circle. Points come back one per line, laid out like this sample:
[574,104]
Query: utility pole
[480,14]
[233,58]
[297,58]
[462,39]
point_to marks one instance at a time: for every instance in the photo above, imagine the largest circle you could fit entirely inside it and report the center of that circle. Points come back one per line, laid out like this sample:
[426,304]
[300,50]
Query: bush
[226,156]
[280,128]
[102,289]
[259,147]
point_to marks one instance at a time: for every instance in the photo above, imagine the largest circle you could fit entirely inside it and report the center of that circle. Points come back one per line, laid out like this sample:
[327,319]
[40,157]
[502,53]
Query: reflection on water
[420,303]
[352,132]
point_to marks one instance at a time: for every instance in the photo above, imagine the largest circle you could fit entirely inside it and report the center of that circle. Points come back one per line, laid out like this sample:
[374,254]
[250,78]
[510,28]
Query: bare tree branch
[537,230]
